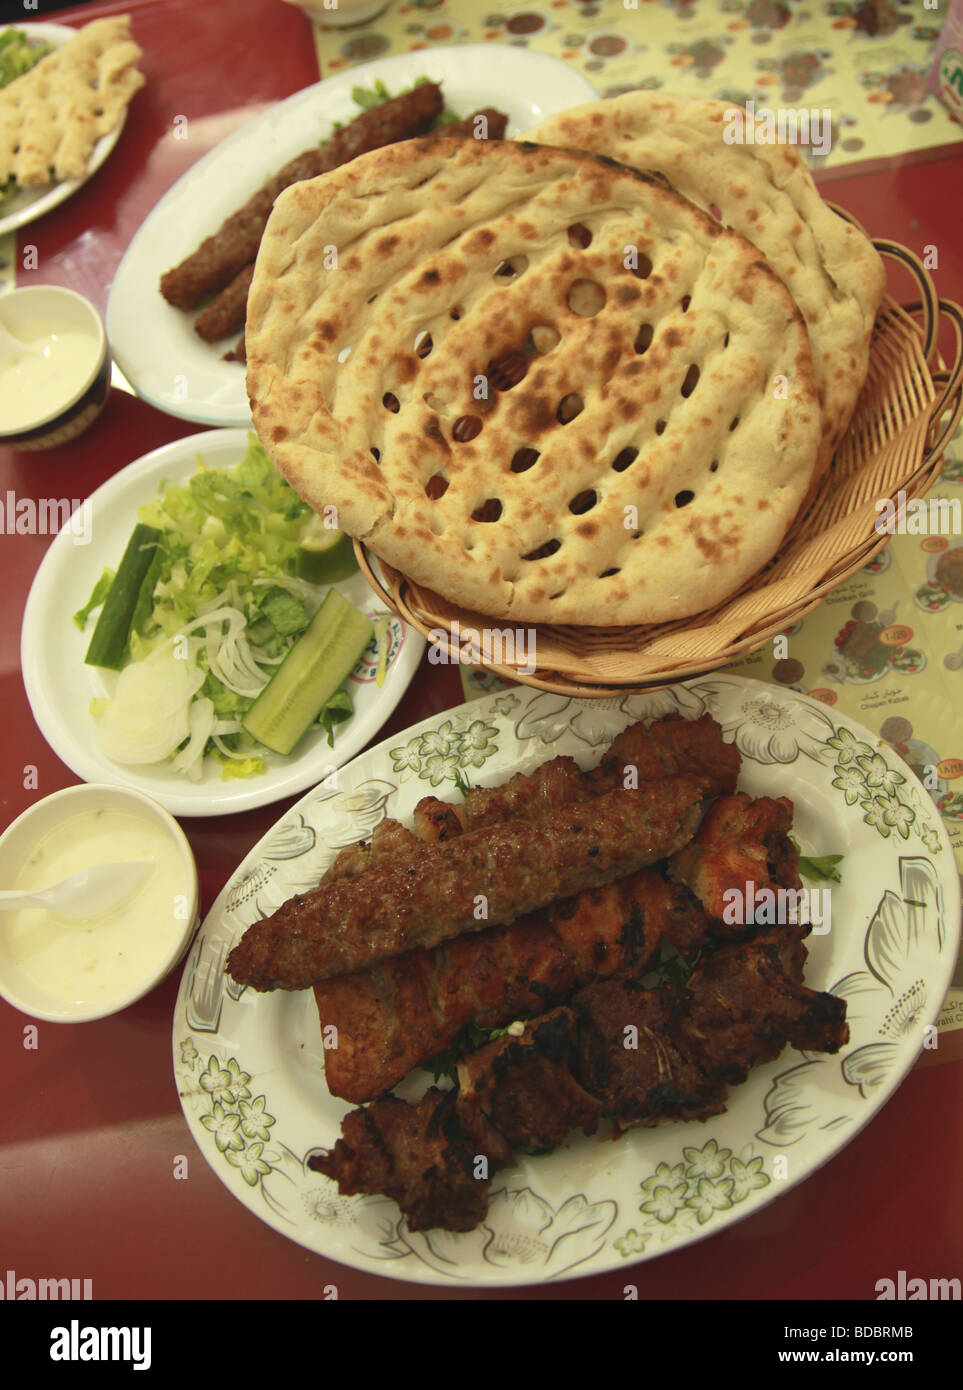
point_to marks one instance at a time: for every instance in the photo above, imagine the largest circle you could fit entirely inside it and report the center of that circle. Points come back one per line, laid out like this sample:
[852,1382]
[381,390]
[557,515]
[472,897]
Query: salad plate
[27,204]
[153,343]
[60,687]
[250,1066]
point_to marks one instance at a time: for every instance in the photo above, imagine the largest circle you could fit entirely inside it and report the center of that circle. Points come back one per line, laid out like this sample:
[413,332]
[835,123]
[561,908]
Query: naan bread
[52,116]
[533,380]
[766,193]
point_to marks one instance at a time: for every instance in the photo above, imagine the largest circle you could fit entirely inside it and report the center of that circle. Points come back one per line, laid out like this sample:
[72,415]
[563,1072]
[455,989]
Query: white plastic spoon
[14,347]
[86,893]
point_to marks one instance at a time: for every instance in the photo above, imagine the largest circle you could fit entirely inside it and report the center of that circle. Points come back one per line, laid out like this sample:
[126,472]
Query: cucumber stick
[319,662]
[110,644]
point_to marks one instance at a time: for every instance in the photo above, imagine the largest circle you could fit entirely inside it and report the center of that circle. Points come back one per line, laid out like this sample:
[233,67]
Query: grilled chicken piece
[631,1057]
[669,746]
[404,1011]
[740,841]
[413,1154]
[523,1090]
[485,877]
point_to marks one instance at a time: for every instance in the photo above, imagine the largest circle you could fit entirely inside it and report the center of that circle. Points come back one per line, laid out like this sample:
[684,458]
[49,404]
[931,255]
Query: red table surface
[90,1124]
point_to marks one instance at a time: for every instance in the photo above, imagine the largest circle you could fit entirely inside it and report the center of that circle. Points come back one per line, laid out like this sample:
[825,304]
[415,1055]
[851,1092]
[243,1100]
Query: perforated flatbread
[766,193]
[448,341]
[52,116]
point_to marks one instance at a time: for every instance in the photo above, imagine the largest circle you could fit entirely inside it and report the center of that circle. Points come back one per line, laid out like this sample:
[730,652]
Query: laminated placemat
[866,61]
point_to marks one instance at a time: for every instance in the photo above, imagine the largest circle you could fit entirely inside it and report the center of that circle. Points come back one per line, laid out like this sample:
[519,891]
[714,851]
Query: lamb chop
[567,1067]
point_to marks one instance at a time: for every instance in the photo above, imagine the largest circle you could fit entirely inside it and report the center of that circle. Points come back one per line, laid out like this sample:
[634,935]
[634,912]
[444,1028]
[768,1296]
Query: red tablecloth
[90,1124]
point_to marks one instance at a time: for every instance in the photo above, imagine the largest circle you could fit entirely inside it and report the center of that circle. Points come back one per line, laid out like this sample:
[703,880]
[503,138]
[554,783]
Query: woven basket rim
[942,414]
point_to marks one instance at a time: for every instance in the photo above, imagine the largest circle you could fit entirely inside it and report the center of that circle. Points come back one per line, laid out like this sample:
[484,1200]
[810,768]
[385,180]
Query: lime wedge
[325,555]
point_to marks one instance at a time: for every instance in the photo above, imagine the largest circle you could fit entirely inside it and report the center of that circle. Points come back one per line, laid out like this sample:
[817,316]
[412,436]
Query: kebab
[404,1011]
[489,876]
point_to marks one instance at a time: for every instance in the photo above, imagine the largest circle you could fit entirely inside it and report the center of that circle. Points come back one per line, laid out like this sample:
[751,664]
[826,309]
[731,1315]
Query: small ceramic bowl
[74,394]
[71,971]
[339,14]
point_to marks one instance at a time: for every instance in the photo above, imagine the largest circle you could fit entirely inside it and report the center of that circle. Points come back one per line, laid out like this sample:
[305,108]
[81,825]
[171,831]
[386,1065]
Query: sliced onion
[228,752]
[190,760]
[149,714]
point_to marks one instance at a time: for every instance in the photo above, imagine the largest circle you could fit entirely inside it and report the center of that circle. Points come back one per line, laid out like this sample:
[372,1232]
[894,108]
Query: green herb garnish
[819,867]
[336,711]
[470,1039]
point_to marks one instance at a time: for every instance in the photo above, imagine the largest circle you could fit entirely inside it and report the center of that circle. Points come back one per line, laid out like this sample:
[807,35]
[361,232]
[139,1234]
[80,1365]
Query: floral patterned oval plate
[250,1067]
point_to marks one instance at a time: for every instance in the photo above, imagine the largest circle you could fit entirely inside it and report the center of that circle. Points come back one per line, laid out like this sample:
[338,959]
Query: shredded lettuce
[227,599]
[97,596]
[18,54]
[377,94]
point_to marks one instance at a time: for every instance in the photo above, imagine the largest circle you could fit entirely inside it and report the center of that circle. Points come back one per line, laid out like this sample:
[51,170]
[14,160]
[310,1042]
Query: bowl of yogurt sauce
[57,386]
[70,970]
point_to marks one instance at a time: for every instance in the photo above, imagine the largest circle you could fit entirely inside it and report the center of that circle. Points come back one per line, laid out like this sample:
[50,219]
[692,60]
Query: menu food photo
[481,502]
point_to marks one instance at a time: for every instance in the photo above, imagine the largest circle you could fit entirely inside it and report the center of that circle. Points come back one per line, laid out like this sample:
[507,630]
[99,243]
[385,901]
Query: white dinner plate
[154,344]
[60,687]
[27,204]
[250,1067]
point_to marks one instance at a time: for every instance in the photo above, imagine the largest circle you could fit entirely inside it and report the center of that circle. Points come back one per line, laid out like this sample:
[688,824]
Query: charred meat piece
[222,256]
[669,746]
[404,1011]
[641,1056]
[744,1008]
[523,1089]
[485,877]
[741,841]
[413,1154]
[619,929]
[631,1058]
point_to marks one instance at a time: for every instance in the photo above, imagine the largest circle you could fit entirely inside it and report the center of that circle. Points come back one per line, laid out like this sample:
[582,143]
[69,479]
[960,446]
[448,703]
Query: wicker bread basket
[909,408]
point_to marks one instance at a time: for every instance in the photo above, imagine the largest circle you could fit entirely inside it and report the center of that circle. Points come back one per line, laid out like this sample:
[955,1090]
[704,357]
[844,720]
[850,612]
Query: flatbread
[423,320]
[766,193]
[52,116]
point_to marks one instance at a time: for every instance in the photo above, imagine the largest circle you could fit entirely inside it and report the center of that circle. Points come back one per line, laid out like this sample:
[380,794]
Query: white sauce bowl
[74,971]
[71,390]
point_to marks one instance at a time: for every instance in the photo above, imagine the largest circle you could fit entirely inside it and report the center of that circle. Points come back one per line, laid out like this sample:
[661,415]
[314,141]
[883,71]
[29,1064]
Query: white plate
[155,344]
[249,1066]
[27,204]
[60,687]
